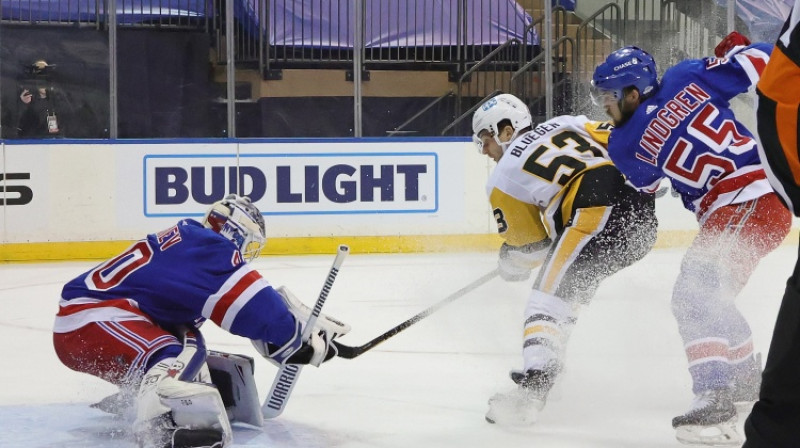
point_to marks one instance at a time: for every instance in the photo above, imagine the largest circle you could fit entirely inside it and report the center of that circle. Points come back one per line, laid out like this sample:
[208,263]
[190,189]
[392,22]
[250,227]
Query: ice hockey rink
[428,386]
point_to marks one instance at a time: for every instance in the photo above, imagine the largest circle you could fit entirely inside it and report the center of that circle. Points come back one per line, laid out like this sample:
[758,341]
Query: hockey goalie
[133,321]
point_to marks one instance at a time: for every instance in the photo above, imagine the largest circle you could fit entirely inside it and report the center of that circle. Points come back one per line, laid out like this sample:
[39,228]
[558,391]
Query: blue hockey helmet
[627,67]
[239,220]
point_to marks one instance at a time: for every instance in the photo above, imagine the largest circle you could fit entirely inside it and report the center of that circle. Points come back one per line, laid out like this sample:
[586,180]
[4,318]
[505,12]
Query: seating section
[423,69]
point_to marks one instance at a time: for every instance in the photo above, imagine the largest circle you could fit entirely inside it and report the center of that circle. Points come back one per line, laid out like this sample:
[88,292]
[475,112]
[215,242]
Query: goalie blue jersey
[182,275]
[687,132]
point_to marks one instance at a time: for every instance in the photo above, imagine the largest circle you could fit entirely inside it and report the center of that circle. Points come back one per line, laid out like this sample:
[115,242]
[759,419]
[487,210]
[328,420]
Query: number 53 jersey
[529,190]
[688,133]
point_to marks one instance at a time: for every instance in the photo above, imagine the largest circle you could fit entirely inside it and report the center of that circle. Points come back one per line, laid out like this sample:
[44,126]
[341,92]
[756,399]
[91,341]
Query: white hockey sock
[548,321]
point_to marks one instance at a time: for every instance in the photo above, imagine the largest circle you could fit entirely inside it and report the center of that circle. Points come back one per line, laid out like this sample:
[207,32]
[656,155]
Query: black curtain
[164,84]
[333,116]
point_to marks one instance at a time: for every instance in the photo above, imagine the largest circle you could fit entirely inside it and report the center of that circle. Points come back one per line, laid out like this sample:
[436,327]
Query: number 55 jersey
[687,132]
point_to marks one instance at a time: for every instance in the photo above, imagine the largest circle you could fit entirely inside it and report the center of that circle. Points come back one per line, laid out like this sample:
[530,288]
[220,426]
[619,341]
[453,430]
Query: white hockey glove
[317,350]
[516,262]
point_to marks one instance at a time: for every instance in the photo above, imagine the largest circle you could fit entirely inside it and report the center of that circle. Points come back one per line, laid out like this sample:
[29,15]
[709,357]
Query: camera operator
[38,116]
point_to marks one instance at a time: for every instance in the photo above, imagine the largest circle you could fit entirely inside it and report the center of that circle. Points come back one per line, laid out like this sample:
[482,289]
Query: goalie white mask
[237,219]
[496,109]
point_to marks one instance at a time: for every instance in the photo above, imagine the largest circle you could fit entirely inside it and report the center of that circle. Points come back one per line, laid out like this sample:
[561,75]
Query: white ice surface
[428,386]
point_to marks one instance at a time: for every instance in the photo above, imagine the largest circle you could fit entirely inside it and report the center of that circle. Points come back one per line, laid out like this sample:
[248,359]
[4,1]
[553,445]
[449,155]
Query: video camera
[39,68]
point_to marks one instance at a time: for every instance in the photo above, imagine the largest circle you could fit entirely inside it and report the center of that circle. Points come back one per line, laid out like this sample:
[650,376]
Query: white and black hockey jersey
[531,180]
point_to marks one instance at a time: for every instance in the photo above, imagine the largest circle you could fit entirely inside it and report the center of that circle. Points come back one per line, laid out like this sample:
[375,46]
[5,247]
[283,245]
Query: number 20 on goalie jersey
[530,183]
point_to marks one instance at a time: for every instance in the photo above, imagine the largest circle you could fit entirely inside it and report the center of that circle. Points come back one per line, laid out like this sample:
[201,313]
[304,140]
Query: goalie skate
[522,405]
[711,421]
[162,432]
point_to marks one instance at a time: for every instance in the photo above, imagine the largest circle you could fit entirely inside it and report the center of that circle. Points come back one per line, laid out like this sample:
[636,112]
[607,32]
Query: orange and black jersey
[778,105]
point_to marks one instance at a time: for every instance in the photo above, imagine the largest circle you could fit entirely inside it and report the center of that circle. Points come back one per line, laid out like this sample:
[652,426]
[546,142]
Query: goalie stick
[284,382]
[348,352]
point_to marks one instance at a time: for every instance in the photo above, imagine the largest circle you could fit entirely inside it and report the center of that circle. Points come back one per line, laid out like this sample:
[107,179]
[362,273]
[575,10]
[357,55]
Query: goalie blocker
[318,349]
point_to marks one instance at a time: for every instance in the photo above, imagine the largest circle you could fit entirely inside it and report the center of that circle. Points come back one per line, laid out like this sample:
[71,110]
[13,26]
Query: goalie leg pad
[233,376]
[194,405]
[166,402]
[169,404]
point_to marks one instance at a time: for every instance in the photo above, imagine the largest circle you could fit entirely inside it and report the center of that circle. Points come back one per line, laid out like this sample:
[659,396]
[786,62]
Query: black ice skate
[196,438]
[161,432]
[522,405]
[710,421]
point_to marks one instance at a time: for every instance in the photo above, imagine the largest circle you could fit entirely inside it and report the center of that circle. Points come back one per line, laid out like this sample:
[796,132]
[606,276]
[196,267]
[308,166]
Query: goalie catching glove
[516,262]
[318,349]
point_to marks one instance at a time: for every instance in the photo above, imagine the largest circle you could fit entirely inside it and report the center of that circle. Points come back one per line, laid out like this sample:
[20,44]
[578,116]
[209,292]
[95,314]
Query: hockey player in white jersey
[560,203]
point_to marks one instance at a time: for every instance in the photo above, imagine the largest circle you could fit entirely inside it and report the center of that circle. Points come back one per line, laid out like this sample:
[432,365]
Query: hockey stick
[284,382]
[348,352]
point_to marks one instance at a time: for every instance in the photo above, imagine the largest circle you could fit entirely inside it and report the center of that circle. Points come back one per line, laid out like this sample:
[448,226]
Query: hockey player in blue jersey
[682,129]
[132,321]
